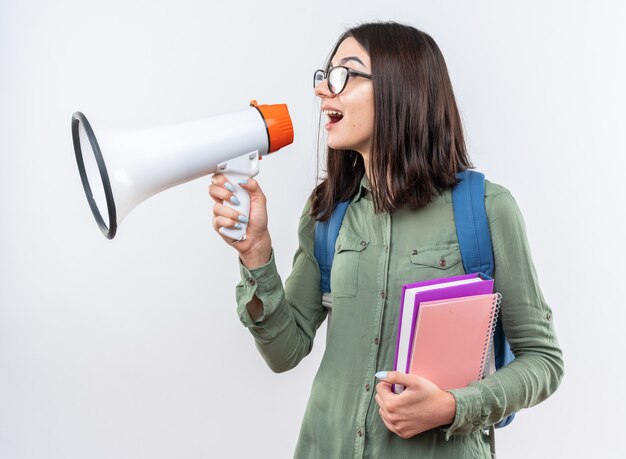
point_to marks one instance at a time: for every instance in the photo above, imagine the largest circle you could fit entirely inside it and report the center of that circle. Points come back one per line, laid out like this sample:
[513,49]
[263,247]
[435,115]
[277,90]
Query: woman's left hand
[420,407]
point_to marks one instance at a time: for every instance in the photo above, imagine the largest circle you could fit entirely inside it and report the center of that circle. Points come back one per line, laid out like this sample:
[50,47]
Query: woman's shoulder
[494,189]
[305,215]
[306,226]
[500,203]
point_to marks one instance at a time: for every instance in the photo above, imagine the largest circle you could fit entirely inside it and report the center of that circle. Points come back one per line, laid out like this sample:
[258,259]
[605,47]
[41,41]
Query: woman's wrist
[448,409]
[257,255]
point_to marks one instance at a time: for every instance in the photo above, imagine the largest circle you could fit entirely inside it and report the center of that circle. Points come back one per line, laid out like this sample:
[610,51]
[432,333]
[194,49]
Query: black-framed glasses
[337,77]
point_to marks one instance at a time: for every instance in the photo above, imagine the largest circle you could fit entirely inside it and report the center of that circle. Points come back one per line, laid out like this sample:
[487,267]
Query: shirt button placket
[382,254]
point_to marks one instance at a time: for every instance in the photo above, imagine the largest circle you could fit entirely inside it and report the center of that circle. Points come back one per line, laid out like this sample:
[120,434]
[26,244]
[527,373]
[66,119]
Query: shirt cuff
[470,415]
[265,283]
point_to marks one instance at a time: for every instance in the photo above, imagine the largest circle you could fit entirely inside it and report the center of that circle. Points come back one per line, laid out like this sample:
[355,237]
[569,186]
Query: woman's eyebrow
[344,60]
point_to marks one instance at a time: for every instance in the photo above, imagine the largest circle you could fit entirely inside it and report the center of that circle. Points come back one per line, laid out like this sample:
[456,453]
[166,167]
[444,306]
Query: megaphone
[120,169]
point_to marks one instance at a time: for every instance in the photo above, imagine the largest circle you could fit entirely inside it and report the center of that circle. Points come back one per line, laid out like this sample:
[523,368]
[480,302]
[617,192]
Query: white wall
[131,348]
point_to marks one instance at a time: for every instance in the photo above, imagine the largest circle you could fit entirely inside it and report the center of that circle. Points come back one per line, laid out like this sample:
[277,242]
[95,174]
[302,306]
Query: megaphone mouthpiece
[278,123]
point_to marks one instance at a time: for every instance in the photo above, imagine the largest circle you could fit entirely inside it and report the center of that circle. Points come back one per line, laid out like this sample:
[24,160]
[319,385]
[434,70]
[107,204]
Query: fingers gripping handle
[236,170]
[243,196]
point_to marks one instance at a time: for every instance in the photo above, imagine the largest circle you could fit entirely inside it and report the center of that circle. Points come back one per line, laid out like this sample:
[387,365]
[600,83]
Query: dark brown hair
[417,144]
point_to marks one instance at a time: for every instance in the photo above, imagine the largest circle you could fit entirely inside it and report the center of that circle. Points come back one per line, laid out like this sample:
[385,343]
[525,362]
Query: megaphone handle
[243,196]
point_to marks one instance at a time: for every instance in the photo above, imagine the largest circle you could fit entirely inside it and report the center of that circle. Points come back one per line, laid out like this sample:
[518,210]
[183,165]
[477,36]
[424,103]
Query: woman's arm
[290,315]
[256,249]
[282,320]
[537,369]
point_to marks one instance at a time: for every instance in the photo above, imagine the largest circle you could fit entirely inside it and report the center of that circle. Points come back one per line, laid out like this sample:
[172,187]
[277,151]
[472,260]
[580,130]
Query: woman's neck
[366,163]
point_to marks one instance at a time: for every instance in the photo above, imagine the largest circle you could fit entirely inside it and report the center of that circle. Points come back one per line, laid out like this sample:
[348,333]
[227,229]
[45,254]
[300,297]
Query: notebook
[452,339]
[435,289]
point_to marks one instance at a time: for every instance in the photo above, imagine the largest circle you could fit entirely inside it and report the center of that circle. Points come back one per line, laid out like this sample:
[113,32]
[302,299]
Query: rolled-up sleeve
[538,368]
[285,330]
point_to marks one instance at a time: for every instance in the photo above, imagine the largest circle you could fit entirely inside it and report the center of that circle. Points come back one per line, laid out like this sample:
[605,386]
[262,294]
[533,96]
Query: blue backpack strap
[472,229]
[326,233]
[472,226]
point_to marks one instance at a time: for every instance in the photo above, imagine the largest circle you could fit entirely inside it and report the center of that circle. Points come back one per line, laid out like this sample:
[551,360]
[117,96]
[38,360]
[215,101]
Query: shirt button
[414,252]
[549,316]
[367,388]
[363,243]
[359,433]
[377,341]
[442,262]
[382,294]
[251,281]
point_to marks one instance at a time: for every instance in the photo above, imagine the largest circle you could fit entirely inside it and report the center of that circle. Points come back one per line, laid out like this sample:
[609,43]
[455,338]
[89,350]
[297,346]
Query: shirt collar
[365,188]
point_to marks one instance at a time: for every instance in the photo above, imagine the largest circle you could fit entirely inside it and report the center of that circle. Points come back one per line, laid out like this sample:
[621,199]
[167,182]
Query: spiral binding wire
[489,337]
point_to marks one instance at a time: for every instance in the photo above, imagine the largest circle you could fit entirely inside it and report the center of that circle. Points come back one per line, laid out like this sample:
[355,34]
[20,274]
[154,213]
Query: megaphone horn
[120,169]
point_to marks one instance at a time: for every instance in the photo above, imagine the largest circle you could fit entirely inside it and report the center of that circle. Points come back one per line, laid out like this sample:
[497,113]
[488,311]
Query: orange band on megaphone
[278,122]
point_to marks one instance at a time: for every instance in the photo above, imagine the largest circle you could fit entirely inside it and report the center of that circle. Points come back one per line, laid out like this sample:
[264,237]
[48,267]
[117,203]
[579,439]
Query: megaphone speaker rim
[109,231]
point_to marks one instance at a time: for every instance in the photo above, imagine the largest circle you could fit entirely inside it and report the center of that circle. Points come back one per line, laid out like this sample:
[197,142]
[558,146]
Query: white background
[131,348]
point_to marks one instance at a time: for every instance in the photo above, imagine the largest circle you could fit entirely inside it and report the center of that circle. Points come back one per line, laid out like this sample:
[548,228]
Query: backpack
[472,228]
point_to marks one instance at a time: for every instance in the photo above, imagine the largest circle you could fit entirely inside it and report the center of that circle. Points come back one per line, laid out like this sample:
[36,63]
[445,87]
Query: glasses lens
[337,79]
[318,77]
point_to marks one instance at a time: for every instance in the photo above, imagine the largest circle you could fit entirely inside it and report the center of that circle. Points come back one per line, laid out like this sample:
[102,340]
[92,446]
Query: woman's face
[349,114]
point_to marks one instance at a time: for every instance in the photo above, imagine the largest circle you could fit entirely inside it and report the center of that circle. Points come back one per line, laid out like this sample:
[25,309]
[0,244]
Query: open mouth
[334,116]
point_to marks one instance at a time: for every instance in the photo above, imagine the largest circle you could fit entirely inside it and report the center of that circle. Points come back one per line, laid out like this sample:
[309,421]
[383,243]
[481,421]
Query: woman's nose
[321,89]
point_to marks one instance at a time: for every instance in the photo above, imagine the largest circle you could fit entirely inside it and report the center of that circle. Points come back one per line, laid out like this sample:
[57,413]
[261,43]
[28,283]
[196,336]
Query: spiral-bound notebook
[452,339]
[413,294]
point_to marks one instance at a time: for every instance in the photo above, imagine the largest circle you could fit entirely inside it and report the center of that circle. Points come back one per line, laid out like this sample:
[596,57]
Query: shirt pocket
[344,276]
[438,261]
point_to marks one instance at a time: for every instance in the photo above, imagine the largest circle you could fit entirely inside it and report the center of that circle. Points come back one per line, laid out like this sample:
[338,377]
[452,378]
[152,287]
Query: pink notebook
[452,339]
[413,294]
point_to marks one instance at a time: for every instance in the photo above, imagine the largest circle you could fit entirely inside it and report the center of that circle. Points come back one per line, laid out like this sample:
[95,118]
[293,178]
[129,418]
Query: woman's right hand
[256,249]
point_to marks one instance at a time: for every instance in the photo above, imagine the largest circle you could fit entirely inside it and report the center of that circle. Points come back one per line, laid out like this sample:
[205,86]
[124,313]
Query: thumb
[252,187]
[394,377]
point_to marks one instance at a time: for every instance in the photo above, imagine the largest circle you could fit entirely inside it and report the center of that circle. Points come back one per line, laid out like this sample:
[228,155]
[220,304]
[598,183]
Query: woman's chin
[343,147]
[334,146]
[342,144]
[337,145]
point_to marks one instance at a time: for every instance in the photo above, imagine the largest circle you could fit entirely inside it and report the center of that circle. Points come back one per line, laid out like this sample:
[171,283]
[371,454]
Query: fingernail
[381,375]
[234,200]
[242,219]
[243,181]
[238,225]
[229,186]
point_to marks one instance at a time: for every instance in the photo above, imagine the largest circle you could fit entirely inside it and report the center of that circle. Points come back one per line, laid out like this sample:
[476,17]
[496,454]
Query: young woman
[395,143]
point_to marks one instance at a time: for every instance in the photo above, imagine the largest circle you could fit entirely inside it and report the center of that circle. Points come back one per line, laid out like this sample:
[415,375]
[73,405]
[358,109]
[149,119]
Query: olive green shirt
[375,255]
